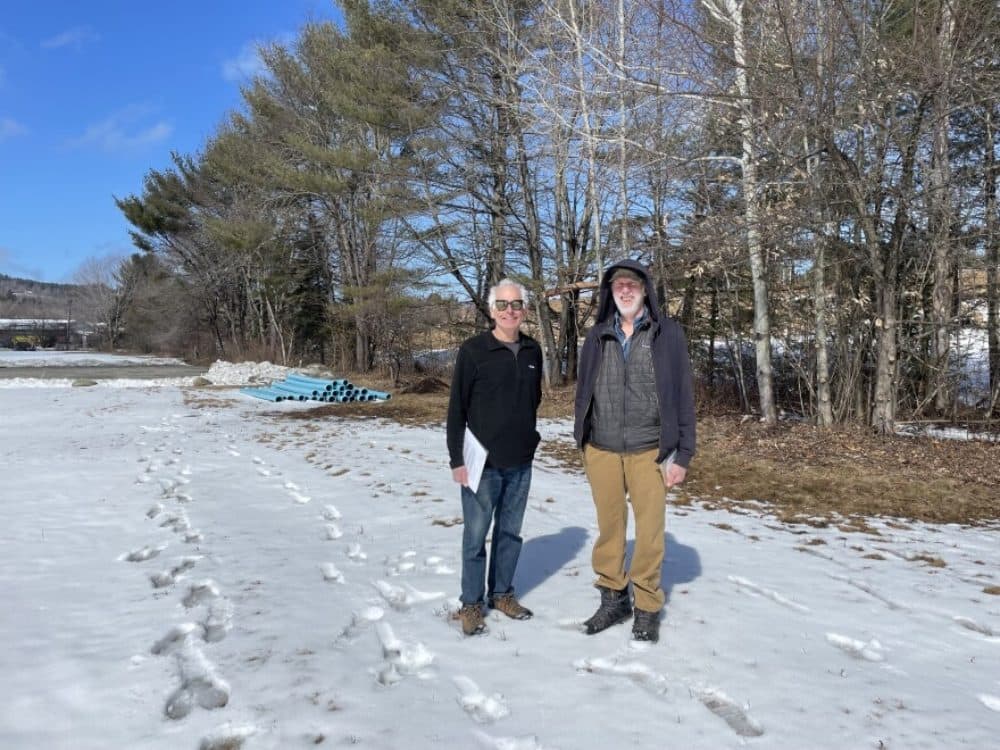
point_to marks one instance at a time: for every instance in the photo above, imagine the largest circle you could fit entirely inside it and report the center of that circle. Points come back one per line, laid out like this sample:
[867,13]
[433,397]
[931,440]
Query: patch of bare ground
[803,473]
[202,400]
[808,472]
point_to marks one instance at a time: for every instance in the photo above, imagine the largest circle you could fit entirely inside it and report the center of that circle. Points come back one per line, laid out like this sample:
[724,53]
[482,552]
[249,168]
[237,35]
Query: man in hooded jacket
[635,422]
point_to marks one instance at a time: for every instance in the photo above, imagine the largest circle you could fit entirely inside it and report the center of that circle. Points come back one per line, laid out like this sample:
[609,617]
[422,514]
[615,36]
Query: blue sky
[95,94]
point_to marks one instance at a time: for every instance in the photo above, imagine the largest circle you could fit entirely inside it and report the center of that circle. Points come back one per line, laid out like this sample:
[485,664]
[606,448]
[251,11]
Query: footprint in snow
[975,627]
[176,637]
[263,472]
[193,537]
[402,598]
[401,658]
[219,621]
[361,620]
[154,510]
[143,553]
[713,699]
[869,651]
[167,486]
[485,709]
[200,685]
[633,670]
[991,702]
[257,460]
[330,513]
[508,743]
[729,711]
[404,564]
[333,531]
[299,497]
[748,585]
[438,566]
[292,486]
[177,522]
[231,450]
[227,737]
[200,592]
[169,576]
[331,573]
[572,623]
[870,589]
[355,553]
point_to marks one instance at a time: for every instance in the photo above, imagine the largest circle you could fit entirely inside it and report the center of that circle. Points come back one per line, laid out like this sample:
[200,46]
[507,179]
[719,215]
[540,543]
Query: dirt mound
[426,385]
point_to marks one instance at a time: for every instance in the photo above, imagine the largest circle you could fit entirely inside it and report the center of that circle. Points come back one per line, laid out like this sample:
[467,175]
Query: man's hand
[673,475]
[461,475]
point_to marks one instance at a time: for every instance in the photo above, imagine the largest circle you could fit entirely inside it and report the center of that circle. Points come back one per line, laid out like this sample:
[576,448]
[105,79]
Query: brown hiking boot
[471,616]
[510,606]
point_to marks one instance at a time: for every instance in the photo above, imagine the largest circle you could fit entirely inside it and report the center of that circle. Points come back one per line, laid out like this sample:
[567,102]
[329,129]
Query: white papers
[475,459]
[666,464]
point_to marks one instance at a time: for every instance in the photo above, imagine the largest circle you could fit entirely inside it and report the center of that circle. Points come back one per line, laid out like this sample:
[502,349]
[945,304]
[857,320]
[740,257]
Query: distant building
[51,333]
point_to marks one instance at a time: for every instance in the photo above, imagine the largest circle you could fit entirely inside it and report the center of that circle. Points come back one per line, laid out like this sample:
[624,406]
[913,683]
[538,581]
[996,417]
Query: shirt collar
[635,323]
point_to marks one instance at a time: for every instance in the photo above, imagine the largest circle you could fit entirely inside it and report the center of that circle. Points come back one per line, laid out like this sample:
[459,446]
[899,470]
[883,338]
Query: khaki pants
[612,476]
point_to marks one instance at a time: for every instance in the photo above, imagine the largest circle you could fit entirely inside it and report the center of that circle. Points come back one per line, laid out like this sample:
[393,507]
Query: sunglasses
[515,304]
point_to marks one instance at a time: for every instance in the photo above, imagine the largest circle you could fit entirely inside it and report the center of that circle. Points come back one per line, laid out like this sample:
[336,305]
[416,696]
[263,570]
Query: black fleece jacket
[496,395]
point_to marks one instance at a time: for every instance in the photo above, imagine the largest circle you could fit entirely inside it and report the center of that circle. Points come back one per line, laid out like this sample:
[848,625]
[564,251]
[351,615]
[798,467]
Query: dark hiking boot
[646,626]
[510,606]
[616,607]
[471,616]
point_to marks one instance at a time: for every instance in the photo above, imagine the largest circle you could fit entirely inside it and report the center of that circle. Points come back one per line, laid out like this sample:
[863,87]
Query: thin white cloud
[124,131]
[10,128]
[76,38]
[246,65]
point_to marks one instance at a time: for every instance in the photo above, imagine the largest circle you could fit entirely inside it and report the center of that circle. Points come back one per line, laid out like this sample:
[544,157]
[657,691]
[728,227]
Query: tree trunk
[992,254]
[748,160]
[589,137]
[939,221]
[824,401]
[533,230]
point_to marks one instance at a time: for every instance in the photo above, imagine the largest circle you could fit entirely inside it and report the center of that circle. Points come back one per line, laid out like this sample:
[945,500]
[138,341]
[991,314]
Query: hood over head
[606,305]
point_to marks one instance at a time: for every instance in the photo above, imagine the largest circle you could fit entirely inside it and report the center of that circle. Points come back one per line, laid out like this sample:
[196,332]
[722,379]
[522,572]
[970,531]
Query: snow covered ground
[50,358]
[180,570]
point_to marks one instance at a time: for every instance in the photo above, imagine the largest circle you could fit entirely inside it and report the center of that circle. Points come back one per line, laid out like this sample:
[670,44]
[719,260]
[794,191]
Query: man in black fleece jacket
[495,392]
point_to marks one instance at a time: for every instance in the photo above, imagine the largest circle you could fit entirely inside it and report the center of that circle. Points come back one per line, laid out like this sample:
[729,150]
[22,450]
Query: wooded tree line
[812,182]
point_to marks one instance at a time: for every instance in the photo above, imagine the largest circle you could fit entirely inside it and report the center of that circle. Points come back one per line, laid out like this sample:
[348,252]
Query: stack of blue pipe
[297,387]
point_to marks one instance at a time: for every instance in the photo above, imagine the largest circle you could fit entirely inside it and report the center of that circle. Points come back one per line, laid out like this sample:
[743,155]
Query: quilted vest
[626,414]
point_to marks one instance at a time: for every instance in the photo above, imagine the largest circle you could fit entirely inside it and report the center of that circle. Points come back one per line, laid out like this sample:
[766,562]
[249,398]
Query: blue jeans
[501,499]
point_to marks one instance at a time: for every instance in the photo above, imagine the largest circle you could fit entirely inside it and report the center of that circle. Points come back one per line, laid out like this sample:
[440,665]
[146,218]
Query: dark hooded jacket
[671,369]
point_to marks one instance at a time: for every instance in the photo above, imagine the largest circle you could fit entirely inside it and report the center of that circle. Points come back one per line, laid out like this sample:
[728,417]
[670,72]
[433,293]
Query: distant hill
[26,298]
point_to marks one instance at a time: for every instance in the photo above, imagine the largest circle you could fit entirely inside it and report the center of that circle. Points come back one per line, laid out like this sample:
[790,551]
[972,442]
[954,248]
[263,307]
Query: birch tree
[731,15]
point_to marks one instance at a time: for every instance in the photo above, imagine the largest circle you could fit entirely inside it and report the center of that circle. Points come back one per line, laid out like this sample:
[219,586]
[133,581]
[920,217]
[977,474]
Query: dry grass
[806,471]
[803,473]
